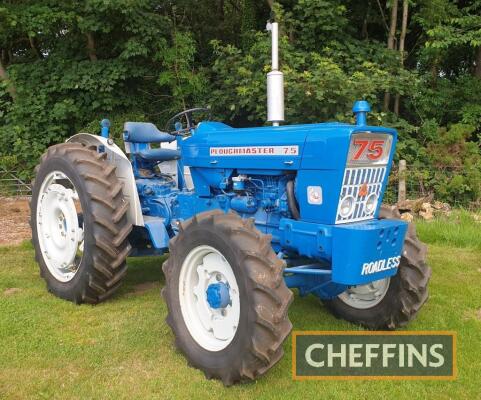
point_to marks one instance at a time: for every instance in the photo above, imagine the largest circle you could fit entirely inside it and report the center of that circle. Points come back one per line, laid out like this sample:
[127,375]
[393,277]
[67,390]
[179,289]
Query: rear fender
[123,171]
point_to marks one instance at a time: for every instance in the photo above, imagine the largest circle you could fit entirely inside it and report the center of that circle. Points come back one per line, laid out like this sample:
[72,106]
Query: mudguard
[124,171]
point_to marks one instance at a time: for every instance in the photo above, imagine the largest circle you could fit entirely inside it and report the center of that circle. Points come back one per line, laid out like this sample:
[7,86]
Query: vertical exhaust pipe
[275,81]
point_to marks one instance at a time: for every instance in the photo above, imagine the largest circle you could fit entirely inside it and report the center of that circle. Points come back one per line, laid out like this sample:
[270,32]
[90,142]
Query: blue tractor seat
[144,133]
[159,154]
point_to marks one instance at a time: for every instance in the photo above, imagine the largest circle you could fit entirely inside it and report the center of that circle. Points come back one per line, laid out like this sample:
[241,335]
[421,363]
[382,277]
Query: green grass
[460,229]
[51,349]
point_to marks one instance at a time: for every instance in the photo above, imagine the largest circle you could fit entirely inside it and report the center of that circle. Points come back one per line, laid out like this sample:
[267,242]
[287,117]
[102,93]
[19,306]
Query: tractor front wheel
[226,297]
[391,302]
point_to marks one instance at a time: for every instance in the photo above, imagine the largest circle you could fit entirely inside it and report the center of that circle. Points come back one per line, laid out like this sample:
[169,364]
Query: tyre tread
[271,323]
[108,210]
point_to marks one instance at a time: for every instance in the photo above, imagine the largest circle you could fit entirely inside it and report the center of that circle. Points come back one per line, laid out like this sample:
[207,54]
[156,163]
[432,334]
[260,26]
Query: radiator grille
[367,180]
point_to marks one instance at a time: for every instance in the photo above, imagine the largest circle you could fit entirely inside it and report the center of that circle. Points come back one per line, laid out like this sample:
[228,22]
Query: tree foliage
[66,65]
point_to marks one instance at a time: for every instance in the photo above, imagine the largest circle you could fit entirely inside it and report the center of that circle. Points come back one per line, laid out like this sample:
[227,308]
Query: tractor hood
[289,147]
[316,153]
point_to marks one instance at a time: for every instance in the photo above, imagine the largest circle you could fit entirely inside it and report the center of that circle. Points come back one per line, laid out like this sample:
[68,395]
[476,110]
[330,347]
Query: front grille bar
[353,179]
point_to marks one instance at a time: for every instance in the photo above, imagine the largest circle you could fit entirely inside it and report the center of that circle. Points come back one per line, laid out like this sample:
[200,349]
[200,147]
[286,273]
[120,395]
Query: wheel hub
[218,295]
[365,296]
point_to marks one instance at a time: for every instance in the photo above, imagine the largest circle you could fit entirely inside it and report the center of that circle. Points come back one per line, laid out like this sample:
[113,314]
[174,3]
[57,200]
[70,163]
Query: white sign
[254,151]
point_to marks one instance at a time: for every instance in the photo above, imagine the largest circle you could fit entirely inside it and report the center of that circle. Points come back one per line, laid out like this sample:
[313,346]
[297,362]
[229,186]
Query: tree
[402,41]
[65,65]
[4,76]
[391,43]
[463,31]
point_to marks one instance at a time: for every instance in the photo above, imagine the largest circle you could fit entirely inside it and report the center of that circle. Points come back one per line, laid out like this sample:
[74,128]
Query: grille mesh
[353,180]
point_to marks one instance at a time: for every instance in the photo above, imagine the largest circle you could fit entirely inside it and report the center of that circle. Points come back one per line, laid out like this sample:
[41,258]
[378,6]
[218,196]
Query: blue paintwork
[368,241]
[218,295]
[360,110]
[104,128]
[139,135]
[159,154]
[158,233]
[145,132]
[313,281]
[259,192]
[323,150]
[244,204]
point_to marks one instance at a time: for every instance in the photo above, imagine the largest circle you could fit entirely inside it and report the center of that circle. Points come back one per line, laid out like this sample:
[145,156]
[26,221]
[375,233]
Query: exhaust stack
[275,81]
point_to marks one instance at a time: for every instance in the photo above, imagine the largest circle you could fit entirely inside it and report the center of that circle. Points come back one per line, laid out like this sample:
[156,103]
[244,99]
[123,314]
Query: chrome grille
[354,179]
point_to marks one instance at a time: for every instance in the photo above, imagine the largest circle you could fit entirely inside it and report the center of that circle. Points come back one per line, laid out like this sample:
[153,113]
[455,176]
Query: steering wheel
[188,118]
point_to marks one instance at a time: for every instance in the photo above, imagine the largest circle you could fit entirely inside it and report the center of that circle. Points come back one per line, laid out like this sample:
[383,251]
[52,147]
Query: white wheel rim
[212,328]
[59,235]
[365,296]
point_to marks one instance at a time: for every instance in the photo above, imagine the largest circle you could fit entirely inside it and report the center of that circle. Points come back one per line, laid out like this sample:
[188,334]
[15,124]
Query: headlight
[370,204]
[347,206]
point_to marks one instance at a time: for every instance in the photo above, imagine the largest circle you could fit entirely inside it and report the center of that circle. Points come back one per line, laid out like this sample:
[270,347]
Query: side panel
[215,145]
[123,172]
[328,182]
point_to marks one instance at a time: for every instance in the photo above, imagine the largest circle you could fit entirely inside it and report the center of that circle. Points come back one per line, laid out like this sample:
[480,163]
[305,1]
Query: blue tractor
[245,214]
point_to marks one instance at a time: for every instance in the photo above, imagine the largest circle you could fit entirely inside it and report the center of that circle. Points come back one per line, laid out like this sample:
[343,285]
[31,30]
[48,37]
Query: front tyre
[79,224]
[391,302]
[226,297]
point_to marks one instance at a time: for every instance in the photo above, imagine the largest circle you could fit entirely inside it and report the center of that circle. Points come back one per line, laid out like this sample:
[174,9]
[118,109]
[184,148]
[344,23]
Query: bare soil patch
[14,216]
[10,291]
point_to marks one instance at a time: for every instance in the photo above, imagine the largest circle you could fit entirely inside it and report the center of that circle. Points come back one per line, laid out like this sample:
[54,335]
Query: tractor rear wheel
[392,302]
[79,224]
[226,297]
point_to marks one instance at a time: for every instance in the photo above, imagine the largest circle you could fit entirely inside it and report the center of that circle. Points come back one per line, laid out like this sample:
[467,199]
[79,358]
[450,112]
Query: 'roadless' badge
[380,265]
[373,355]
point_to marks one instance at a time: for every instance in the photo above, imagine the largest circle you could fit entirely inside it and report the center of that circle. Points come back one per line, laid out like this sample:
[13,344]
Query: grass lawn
[50,348]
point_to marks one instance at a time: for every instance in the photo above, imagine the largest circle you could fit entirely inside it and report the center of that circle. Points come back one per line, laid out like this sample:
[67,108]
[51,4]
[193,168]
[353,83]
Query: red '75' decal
[373,148]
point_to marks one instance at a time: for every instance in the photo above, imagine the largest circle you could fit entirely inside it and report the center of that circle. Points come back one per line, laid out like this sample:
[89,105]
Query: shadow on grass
[144,270]
[144,273]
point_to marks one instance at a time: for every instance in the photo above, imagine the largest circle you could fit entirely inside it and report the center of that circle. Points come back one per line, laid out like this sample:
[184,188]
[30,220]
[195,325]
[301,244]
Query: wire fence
[420,183]
[437,184]
[12,186]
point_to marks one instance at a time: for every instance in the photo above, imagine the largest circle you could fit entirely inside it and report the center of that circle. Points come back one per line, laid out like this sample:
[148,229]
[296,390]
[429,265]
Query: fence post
[401,194]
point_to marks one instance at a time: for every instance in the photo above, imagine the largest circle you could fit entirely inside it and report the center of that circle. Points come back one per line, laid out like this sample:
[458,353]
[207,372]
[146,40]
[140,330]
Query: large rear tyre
[226,297]
[392,302]
[79,224]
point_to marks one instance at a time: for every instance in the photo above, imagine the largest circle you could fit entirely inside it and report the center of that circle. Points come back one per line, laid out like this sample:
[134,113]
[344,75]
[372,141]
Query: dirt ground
[14,215]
